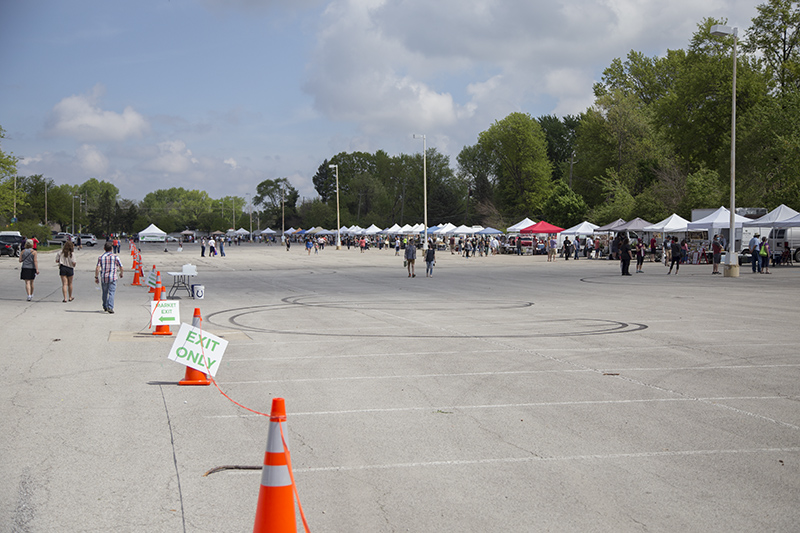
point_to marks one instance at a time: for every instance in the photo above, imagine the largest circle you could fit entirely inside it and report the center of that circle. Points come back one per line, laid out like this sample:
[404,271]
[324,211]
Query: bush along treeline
[656,141]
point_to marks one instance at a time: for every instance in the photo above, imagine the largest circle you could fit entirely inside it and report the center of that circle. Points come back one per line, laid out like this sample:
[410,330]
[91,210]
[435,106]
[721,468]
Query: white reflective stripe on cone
[274,441]
[275,476]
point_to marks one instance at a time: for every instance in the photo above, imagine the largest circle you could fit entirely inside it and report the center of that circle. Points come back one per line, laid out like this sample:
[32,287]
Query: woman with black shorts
[66,269]
[30,267]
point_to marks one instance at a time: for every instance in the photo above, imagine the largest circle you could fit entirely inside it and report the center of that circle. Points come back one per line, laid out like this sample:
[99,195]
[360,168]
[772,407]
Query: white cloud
[81,118]
[455,66]
[231,162]
[172,158]
[92,160]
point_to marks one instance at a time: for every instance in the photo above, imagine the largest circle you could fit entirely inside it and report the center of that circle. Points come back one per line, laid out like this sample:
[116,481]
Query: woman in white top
[66,269]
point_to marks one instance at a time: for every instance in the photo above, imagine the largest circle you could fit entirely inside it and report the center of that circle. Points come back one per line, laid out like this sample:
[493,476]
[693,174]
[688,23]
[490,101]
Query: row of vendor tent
[781,217]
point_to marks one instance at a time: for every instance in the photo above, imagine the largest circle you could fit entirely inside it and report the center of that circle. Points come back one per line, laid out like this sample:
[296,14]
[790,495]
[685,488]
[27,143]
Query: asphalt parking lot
[503,394]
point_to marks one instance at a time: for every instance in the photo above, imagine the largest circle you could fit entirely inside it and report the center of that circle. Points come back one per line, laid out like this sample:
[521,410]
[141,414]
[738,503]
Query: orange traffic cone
[194,376]
[161,294]
[137,268]
[275,513]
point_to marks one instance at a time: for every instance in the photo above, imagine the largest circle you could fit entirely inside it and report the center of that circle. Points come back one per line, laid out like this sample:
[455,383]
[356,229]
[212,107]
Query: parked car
[88,239]
[63,237]
[11,245]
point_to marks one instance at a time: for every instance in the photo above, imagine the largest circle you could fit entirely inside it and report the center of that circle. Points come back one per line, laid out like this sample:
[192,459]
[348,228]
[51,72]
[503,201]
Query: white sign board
[164,313]
[198,349]
[152,279]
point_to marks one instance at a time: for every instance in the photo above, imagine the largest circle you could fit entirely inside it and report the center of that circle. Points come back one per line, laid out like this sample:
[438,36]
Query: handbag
[405,263]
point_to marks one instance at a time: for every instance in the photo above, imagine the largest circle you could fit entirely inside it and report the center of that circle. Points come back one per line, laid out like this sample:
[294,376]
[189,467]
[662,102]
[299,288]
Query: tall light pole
[250,210]
[233,211]
[72,229]
[424,187]
[720,30]
[338,222]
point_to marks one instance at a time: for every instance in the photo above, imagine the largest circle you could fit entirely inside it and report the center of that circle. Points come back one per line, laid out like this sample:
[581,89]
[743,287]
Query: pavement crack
[174,457]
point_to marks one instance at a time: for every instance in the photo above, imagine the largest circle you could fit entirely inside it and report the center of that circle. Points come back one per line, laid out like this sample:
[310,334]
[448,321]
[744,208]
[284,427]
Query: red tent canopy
[542,227]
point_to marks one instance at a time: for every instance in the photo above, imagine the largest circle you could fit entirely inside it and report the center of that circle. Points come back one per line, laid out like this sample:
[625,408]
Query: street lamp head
[332,166]
[721,30]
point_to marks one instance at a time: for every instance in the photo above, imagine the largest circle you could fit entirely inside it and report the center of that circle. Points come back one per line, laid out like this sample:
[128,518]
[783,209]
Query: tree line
[656,141]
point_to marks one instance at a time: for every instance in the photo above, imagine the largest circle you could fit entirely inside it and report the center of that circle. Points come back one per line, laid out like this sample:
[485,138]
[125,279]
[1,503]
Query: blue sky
[219,95]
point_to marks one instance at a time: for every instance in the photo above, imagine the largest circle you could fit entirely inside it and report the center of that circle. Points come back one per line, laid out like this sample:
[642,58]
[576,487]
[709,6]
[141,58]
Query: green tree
[564,208]
[518,150]
[276,195]
[619,203]
[8,169]
[317,213]
[560,136]
[325,181]
[775,37]
[702,191]
[695,117]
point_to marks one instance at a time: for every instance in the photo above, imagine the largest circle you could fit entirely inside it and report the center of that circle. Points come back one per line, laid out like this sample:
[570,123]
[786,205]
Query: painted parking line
[536,458]
[509,406]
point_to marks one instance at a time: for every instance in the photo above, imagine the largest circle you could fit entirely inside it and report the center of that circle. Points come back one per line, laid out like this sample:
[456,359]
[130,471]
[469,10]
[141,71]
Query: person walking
[30,267]
[106,272]
[625,256]
[222,247]
[763,253]
[202,246]
[755,260]
[675,256]
[716,255]
[567,248]
[576,244]
[66,269]
[430,260]
[411,257]
[640,251]
[397,246]
[212,247]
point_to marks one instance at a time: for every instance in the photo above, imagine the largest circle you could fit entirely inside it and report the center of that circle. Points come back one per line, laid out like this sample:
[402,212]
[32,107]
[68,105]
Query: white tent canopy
[268,231]
[394,229]
[773,219]
[793,222]
[242,231]
[719,219]
[584,228]
[446,229]
[467,230]
[406,229]
[152,233]
[522,224]
[372,230]
[672,224]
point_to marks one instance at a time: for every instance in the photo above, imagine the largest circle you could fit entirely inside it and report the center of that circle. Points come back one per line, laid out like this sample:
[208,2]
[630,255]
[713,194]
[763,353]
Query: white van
[782,238]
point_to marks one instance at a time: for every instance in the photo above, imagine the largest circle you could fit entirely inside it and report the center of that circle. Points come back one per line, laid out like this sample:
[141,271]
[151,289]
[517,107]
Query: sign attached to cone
[165,313]
[151,278]
[198,349]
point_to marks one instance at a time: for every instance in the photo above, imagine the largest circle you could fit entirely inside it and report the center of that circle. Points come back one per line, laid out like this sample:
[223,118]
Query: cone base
[156,332]
[194,382]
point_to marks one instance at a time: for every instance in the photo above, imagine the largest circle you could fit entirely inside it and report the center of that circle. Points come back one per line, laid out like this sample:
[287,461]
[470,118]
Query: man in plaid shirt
[105,273]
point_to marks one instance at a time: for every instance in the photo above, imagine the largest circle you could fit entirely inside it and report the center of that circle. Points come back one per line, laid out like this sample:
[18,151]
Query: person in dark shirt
[676,256]
[625,256]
